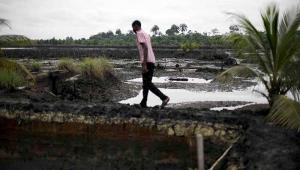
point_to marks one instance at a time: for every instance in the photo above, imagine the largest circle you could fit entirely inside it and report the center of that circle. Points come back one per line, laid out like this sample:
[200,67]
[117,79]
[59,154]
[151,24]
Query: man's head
[136,26]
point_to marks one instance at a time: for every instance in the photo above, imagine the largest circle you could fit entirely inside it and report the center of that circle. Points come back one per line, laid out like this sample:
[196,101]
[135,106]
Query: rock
[207,131]
[171,131]
[230,61]
[197,130]
[232,167]
[179,129]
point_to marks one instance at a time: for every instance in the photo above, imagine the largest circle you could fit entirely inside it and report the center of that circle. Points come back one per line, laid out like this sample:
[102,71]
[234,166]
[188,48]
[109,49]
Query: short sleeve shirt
[142,37]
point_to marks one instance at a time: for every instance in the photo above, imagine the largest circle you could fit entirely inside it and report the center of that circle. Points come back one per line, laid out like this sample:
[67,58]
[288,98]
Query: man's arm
[145,51]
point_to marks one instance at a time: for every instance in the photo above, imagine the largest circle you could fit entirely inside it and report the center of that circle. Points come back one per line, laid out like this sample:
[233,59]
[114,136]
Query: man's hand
[144,67]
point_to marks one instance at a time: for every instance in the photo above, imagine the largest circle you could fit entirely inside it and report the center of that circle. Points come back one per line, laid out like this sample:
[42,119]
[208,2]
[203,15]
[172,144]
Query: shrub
[68,64]
[16,67]
[189,46]
[36,66]
[95,67]
[10,79]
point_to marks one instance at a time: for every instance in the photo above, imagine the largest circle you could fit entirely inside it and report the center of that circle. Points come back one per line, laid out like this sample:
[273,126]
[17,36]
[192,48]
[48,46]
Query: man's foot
[143,105]
[165,102]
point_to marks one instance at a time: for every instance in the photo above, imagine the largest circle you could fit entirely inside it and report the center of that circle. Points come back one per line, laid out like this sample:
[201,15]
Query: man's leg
[145,77]
[151,86]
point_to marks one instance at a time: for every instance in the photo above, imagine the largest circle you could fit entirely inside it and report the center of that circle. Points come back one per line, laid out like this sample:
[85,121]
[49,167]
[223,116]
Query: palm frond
[285,112]
[270,21]
[256,41]
[4,22]
[289,42]
[237,71]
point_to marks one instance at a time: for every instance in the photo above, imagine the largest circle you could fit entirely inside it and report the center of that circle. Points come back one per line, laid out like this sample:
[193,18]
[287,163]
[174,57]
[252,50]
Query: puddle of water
[184,96]
[167,80]
[231,107]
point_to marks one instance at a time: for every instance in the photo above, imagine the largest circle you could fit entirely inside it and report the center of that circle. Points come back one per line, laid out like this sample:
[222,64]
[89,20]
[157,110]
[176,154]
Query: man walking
[147,59]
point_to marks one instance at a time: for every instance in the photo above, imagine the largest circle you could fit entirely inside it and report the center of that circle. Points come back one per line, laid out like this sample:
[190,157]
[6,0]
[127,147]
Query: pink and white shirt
[142,37]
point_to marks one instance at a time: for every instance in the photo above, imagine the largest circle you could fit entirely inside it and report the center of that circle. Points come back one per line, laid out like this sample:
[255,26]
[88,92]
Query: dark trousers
[148,85]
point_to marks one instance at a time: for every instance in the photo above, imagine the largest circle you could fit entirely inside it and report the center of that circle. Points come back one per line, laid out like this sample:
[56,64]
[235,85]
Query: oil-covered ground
[69,122]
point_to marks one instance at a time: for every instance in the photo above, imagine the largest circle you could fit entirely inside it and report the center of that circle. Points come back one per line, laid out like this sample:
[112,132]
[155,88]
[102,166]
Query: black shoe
[165,102]
[143,105]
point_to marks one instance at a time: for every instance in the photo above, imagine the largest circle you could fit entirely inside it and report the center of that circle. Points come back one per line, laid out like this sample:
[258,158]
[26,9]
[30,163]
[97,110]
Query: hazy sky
[83,18]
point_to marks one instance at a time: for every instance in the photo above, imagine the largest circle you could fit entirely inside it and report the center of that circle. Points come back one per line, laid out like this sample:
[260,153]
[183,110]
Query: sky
[45,19]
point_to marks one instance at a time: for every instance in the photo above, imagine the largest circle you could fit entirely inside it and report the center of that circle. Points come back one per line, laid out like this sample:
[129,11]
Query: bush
[95,67]
[188,46]
[13,66]
[36,66]
[68,64]
[10,79]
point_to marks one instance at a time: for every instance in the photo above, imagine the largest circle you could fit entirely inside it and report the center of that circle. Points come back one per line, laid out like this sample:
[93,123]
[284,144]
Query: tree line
[176,35]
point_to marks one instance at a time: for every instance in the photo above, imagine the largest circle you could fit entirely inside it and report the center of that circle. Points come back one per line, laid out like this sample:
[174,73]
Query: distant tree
[173,30]
[155,30]
[215,31]
[169,32]
[234,28]
[109,34]
[183,28]
[69,40]
[130,32]
[118,32]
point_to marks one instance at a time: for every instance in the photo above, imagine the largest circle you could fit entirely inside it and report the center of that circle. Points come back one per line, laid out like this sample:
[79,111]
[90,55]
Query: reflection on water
[169,79]
[37,145]
[184,96]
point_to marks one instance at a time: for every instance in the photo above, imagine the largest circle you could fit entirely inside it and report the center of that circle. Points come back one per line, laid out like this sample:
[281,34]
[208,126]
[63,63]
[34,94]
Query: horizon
[79,19]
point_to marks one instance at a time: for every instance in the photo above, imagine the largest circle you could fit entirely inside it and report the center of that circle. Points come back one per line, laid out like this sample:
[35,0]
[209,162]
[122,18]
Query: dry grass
[10,79]
[13,66]
[95,67]
[68,64]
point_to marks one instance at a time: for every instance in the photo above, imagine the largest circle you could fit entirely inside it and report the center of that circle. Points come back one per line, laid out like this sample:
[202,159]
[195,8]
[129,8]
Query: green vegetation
[13,74]
[35,66]
[95,67]
[68,64]
[90,67]
[14,66]
[174,36]
[189,46]
[277,53]
[10,79]
[14,40]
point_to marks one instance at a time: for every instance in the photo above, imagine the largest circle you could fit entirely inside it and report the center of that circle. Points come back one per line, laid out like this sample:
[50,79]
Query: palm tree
[183,28]
[155,30]
[277,52]
[215,31]
[118,32]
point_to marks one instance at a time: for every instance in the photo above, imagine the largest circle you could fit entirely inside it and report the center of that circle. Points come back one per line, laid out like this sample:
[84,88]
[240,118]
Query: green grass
[10,79]
[95,67]
[35,66]
[15,66]
[189,46]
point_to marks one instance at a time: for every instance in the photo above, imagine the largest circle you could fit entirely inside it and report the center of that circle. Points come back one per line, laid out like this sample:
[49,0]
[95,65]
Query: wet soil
[262,144]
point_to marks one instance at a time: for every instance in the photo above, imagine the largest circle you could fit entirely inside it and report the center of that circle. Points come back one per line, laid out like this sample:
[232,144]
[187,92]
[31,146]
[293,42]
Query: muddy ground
[262,145]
